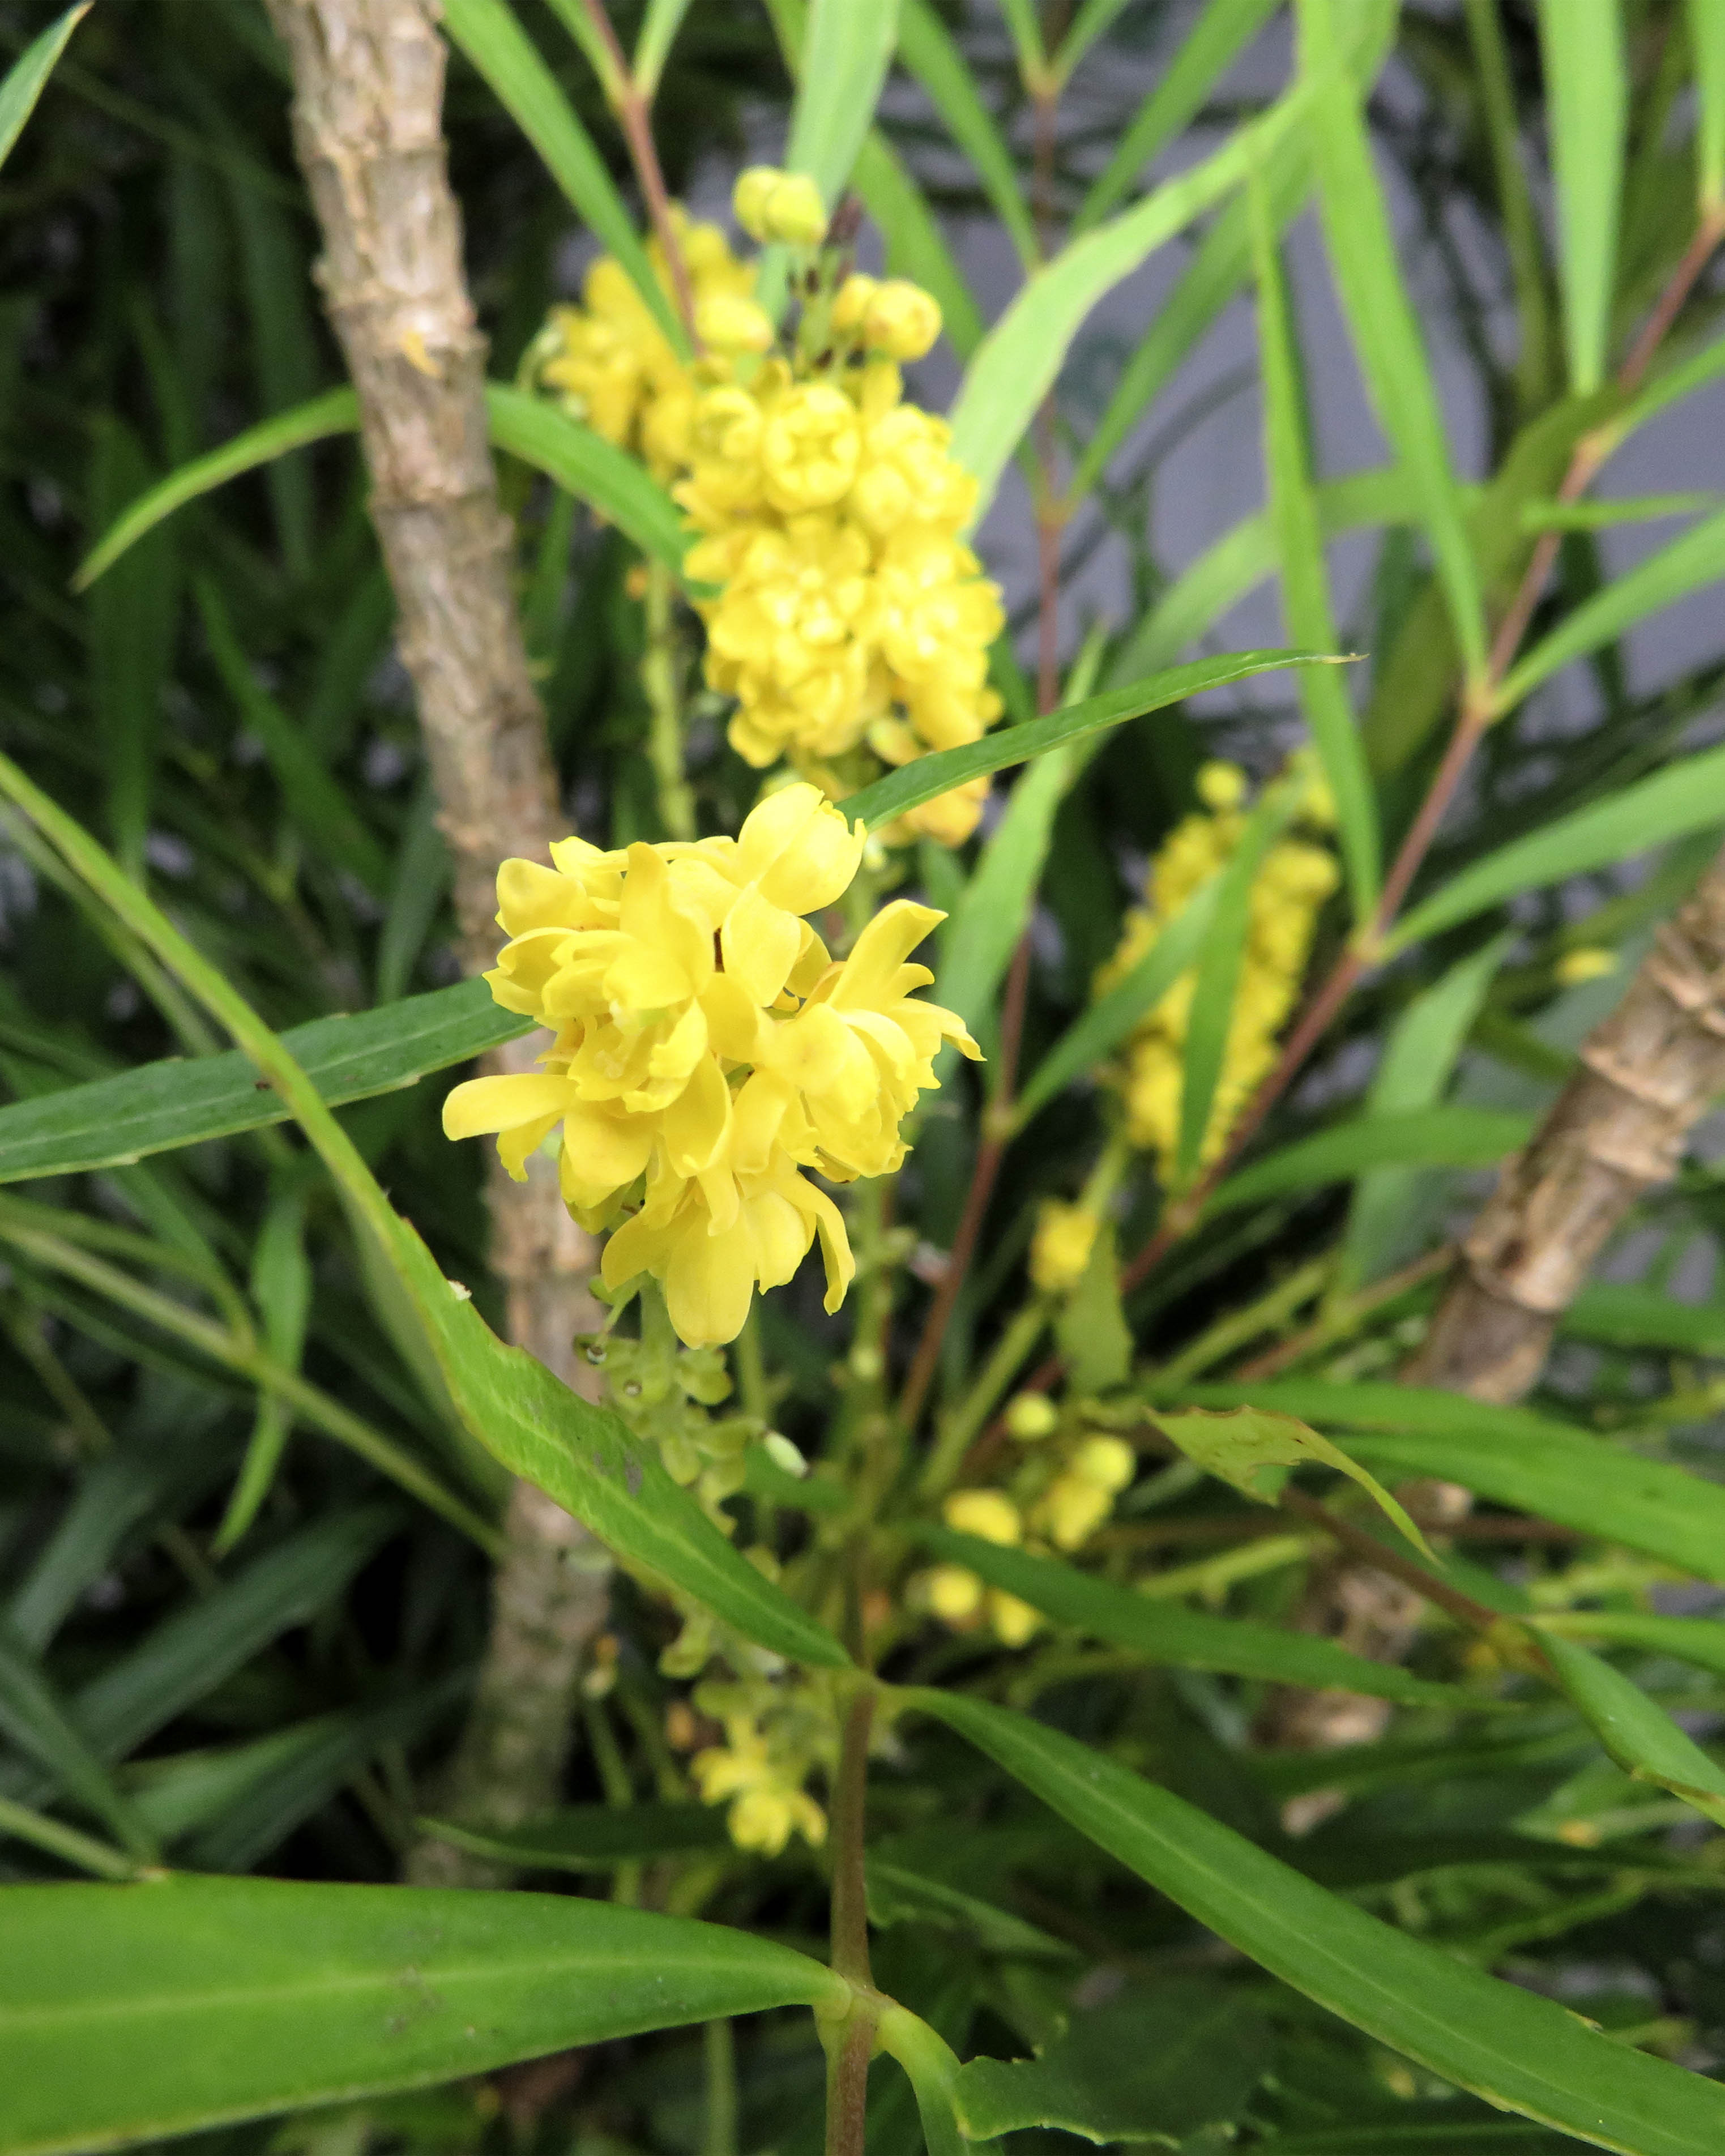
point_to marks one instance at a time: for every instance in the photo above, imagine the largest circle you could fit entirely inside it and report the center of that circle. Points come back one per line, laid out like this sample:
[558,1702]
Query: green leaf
[488,33]
[593,1837]
[660,22]
[1686,796]
[133,2013]
[1095,1340]
[1706,47]
[929,53]
[846,50]
[1447,1137]
[1218,970]
[1160,2061]
[1363,257]
[1628,1315]
[1205,57]
[913,783]
[32,1719]
[1016,365]
[1518,2051]
[27,78]
[1639,1735]
[615,483]
[1108,1020]
[335,412]
[1587,99]
[1513,1457]
[1696,558]
[1605,516]
[1418,1058]
[1254,1448]
[1179,1637]
[1304,578]
[1697,1640]
[177,1103]
[1092,20]
[899,1895]
[978,940]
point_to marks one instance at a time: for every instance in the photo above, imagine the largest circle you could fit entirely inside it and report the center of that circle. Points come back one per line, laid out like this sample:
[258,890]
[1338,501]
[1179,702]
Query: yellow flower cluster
[1060,1248]
[1076,1494]
[1287,894]
[828,512]
[775,1736]
[706,1043]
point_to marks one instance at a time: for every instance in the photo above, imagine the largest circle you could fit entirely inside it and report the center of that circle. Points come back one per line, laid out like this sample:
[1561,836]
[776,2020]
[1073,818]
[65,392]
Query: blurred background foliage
[224,708]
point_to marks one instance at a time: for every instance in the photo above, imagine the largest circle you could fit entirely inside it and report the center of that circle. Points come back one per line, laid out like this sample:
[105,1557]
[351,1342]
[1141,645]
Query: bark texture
[368,81]
[1649,1071]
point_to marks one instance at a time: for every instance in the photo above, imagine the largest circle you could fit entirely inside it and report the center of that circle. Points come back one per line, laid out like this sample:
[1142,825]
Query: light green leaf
[1025,25]
[1707,46]
[1095,1342]
[1445,1136]
[1522,2053]
[1418,1058]
[1696,558]
[1159,2061]
[1255,1450]
[1625,1315]
[1697,1640]
[1108,1022]
[1587,99]
[1091,20]
[1218,970]
[1179,1638]
[977,941]
[913,783]
[1208,51]
[1606,515]
[1686,796]
[660,23]
[1513,1457]
[593,1837]
[1636,1733]
[600,51]
[928,52]
[1246,558]
[1306,610]
[847,49]
[613,481]
[1016,364]
[32,1719]
[488,33]
[27,78]
[1363,256]
[932,2069]
[159,1105]
[134,2013]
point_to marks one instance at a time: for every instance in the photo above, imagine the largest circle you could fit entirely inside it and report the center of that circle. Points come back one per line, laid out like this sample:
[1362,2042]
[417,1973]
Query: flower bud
[902,320]
[1221,787]
[990,1515]
[730,323]
[750,195]
[1031,1415]
[851,306]
[795,213]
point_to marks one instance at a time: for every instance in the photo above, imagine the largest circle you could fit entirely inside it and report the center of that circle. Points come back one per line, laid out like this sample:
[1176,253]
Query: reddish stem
[634,117]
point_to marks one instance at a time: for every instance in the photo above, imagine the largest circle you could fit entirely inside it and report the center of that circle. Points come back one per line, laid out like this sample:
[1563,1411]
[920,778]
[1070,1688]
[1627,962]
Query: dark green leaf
[1520,2051]
[129,2013]
[32,1719]
[1628,1315]
[594,1837]
[27,78]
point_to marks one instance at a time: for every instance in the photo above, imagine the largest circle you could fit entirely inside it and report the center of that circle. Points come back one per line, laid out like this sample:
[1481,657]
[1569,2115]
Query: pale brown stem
[634,117]
[368,78]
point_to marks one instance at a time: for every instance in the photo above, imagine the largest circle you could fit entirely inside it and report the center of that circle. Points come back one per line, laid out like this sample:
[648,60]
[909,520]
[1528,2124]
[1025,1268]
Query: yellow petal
[761,942]
[601,1155]
[485,1104]
[733,1018]
[709,1282]
[799,849]
[883,946]
[530,896]
[698,1121]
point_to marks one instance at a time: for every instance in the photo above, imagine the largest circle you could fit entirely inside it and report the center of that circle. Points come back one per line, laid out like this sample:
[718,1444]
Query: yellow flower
[953,1594]
[774,205]
[707,1049]
[767,1807]
[1060,1251]
[1031,1416]
[1587,962]
[901,319]
[990,1515]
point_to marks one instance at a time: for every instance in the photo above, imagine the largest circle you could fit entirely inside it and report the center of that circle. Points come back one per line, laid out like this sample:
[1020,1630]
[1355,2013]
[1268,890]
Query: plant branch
[634,108]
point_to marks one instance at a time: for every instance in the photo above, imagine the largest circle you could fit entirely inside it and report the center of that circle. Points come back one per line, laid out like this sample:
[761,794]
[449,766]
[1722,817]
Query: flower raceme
[707,1050]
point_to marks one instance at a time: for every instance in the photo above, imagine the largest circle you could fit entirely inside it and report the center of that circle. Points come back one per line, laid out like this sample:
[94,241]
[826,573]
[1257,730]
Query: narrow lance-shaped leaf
[1635,1731]
[1386,332]
[1207,51]
[1520,2051]
[159,1105]
[27,78]
[1454,1136]
[913,783]
[1112,1018]
[1017,362]
[32,1719]
[1179,1637]
[1255,1450]
[1586,96]
[929,53]
[1697,1640]
[1305,578]
[1706,45]
[1513,1456]
[1211,1021]
[489,33]
[1684,796]
[135,2013]
[979,939]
